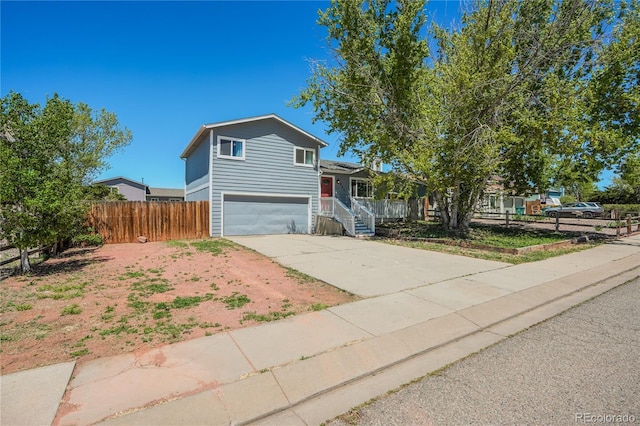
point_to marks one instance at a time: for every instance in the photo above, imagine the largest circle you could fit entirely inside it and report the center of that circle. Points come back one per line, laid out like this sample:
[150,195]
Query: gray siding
[342,189]
[132,191]
[197,166]
[268,167]
[201,195]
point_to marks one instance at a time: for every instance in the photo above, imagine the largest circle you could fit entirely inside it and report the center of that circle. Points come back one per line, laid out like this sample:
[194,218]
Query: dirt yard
[92,303]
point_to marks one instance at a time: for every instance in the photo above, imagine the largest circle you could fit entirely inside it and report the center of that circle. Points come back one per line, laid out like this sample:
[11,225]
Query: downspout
[318,194]
[211,182]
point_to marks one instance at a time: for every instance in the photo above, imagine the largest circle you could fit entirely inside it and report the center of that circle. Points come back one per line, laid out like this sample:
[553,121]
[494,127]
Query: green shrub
[624,209]
[87,240]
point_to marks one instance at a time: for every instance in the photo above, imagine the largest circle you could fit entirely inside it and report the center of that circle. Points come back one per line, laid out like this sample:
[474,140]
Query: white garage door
[265,215]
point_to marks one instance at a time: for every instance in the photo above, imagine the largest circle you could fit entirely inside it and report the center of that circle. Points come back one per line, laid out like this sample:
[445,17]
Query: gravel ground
[579,367]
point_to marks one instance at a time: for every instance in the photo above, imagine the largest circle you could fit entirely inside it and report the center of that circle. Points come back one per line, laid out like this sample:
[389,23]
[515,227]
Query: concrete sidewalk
[423,311]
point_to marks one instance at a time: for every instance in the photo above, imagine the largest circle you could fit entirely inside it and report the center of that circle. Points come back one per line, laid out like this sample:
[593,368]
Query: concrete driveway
[364,267]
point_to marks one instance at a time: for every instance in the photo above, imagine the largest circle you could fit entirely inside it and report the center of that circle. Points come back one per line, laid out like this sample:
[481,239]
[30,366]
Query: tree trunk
[443,208]
[456,210]
[24,261]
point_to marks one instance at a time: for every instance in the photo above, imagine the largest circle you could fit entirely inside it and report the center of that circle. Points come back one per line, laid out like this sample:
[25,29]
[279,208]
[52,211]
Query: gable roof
[341,167]
[205,127]
[166,192]
[122,178]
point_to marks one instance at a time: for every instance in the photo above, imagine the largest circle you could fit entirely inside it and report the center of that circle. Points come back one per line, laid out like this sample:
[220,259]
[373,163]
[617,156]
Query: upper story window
[231,148]
[304,157]
[361,188]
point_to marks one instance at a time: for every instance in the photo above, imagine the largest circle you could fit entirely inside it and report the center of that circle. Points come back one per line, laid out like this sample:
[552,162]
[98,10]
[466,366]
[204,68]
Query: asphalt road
[580,367]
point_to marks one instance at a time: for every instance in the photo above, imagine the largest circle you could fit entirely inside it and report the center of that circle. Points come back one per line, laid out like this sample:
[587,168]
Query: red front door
[326,187]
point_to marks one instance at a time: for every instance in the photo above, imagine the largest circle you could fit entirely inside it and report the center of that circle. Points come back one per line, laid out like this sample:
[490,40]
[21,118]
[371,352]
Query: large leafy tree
[532,91]
[48,155]
[630,174]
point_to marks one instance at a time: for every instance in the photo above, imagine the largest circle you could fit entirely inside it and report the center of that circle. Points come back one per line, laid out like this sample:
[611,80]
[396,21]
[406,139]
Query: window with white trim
[231,148]
[361,188]
[304,157]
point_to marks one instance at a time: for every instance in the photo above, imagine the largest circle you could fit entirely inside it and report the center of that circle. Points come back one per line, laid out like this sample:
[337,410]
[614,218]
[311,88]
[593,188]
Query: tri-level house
[263,175]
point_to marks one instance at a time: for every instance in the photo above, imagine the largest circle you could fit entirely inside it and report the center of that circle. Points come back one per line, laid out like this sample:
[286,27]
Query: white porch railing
[333,207]
[364,214]
[386,209]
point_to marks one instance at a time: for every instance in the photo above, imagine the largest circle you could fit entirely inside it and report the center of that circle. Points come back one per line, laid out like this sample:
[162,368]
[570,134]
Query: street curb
[339,398]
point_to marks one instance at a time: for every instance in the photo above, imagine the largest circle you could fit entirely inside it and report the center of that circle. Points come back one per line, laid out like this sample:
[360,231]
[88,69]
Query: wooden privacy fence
[125,221]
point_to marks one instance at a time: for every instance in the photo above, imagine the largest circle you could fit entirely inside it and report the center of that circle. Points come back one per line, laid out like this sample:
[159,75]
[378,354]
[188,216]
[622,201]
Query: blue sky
[165,68]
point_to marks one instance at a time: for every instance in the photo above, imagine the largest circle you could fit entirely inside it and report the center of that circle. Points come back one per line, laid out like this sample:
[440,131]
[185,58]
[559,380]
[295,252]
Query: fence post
[507,217]
[628,224]
[557,223]
[617,223]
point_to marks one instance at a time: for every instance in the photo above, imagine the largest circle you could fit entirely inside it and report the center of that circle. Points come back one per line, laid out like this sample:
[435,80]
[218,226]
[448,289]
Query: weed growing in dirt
[271,316]
[79,353]
[62,291]
[236,300]
[173,331]
[177,244]
[150,286]
[24,307]
[4,337]
[122,328]
[318,307]
[300,277]
[215,246]
[81,343]
[161,310]
[136,304]
[189,301]
[108,313]
[130,274]
[71,310]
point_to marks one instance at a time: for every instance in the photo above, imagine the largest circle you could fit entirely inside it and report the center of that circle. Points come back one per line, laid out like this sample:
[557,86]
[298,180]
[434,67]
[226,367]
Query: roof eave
[204,127]
[192,143]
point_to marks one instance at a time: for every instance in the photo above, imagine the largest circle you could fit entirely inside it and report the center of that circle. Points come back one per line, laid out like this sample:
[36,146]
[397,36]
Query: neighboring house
[165,194]
[496,200]
[130,189]
[260,174]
